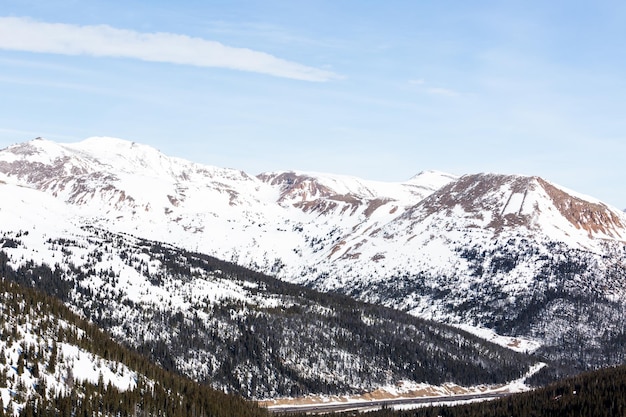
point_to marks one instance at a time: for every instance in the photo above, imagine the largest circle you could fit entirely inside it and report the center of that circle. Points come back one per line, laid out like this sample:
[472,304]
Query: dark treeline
[600,393]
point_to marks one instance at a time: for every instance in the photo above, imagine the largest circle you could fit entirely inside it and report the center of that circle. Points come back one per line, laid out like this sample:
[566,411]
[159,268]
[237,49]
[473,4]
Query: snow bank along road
[371,405]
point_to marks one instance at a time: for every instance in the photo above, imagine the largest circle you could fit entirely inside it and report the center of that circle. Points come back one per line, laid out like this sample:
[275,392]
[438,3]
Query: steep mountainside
[517,254]
[242,331]
[54,363]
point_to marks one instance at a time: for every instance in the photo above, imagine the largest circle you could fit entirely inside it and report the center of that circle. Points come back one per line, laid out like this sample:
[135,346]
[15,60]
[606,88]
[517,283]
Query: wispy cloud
[25,34]
[442,92]
[437,91]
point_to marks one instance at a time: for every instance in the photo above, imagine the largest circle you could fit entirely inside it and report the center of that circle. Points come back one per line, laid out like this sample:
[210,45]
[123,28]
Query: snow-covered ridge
[432,245]
[297,218]
[324,185]
[34,360]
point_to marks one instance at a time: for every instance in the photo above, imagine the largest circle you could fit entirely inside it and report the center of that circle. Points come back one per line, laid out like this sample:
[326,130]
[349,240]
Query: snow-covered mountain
[514,253]
[243,331]
[275,221]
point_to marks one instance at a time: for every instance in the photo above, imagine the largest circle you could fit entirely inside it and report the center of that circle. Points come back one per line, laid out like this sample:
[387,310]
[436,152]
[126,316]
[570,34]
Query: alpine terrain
[150,248]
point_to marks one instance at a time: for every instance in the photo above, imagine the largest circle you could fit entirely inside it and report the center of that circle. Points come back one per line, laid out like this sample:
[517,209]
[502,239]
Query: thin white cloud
[442,92]
[25,34]
[437,91]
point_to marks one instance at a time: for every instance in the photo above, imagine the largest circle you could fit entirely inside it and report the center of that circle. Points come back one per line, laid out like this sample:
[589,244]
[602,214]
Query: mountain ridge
[493,250]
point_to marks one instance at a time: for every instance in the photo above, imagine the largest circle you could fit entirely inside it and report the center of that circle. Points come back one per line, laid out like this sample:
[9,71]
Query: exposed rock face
[595,218]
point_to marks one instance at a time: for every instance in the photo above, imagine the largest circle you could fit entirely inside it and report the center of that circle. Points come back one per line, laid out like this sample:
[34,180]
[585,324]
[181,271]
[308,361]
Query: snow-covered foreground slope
[54,363]
[34,359]
[516,254]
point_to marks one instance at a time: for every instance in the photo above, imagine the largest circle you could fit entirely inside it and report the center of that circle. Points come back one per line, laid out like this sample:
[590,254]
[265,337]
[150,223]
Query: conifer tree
[35,370]
[53,358]
[20,364]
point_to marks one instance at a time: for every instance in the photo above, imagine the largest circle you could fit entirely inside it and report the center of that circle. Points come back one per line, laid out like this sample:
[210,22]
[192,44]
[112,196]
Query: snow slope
[499,251]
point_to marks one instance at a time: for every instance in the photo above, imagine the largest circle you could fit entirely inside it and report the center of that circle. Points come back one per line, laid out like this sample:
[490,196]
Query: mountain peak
[107,144]
[37,150]
[432,173]
[504,201]
[476,193]
[121,154]
[431,180]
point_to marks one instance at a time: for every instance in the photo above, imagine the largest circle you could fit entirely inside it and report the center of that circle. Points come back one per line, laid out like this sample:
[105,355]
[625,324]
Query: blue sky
[379,90]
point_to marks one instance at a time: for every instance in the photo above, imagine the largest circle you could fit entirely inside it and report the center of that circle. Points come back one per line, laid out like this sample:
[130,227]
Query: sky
[373,89]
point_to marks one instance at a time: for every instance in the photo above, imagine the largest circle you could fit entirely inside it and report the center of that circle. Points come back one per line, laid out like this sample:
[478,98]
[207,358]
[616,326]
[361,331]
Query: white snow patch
[88,367]
[518,344]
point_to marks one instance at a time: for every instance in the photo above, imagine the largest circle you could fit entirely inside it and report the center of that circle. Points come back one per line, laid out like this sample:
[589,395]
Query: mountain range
[515,254]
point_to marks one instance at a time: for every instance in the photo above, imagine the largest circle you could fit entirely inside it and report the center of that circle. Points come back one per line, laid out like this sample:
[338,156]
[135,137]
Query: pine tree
[53,358]
[35,370]
[20,364]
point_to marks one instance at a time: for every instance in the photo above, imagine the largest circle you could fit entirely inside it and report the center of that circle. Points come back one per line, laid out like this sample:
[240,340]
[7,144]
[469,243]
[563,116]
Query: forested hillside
[54,363]
[245,332]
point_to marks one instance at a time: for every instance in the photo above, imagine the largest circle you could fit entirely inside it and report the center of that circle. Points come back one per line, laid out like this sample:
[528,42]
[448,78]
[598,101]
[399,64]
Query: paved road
[377,404]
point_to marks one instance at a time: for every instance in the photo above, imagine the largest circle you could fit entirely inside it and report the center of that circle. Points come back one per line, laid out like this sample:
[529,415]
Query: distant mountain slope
[517,254]
[133,188]
[245,332]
